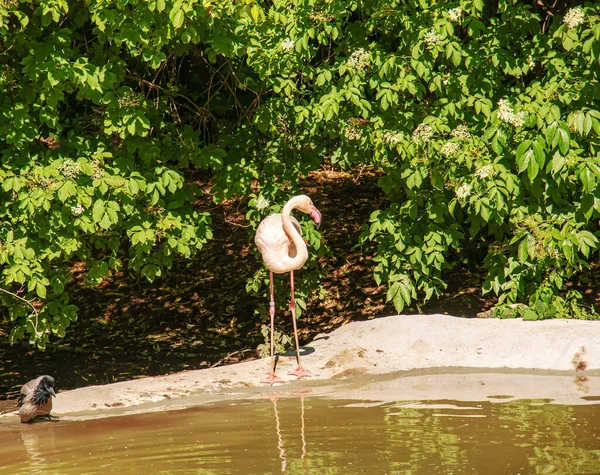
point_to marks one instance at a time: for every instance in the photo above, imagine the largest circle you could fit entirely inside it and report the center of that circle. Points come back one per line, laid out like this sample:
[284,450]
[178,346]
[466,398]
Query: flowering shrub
[511,188]
[483,116]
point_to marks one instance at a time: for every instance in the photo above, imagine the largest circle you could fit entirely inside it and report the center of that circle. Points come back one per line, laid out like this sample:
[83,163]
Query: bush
[483,115]
[495,152]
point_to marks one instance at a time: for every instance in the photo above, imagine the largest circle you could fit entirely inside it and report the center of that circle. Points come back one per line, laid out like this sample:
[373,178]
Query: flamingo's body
[279,252]
[279,240]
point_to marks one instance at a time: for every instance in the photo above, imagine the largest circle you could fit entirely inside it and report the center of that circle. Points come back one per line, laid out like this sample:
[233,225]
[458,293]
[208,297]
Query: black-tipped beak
[315,215]
[52,391]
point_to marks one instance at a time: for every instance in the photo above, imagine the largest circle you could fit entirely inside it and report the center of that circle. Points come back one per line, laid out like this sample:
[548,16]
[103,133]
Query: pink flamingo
[279,240]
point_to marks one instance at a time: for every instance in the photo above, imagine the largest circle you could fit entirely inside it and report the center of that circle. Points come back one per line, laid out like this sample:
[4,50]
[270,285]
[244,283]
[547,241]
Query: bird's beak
[52,391]
[315,215]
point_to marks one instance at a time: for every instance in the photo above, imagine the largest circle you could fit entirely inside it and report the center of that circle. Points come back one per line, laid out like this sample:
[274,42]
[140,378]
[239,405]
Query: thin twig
[230,355]
[7,50]
[236,224]
[28,302]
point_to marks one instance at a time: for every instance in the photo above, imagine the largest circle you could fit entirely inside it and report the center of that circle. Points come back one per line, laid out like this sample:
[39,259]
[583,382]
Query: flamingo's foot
[271,379]
[300,372]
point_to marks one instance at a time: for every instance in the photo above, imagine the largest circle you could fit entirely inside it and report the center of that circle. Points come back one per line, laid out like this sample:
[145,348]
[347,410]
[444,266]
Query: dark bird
[36,398]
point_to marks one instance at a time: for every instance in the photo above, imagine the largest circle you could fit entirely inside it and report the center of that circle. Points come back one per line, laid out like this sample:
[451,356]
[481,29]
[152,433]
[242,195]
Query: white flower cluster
[287,45]
[461,132]
[352,133]
[450,149]
[77,210]
[320,15]
[506,114]
[484,171]
[97,169]
[455,14]
[530,61]
[463,190]
[46,183]
[574,17]
[70,169]
[423,132]
[360,59]
[130,99]
[391,138]
[432,38]
[261,203]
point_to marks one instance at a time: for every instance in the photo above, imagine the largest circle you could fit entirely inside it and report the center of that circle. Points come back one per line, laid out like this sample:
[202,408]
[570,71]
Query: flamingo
[279,240]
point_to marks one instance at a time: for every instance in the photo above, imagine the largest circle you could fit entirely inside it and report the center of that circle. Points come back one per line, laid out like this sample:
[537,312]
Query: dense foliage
[484,116]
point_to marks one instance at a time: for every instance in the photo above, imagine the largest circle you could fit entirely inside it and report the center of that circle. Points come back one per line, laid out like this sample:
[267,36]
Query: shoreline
[420,356]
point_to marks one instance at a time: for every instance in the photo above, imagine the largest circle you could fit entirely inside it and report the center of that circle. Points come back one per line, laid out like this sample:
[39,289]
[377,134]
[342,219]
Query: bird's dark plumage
[36,398]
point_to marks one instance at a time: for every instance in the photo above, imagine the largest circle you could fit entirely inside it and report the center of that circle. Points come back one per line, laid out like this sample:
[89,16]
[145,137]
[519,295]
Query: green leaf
[530,314]
[58,286]
[98,211]
[567,247]
[540,156]
[525,160]
[392,291]
[177,17]
[151,271]
[558,162]
[398,302]
[257,14]
[66,191]
[452,206]
[405,292]
[587,124]
[578,121]
[550,133]
[8,184]
[532,168]
[523,251]
[98,271]
[105,222]
[564,138]
[521,149]
[40,290]
[588,179]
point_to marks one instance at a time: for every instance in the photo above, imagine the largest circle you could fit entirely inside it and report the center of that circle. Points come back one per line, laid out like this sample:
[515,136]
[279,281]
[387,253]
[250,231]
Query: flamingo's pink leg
[272,377]
[299,371]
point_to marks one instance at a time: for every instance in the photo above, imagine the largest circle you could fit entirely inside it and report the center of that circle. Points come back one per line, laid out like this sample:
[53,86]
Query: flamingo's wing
[270,233]
[275,246]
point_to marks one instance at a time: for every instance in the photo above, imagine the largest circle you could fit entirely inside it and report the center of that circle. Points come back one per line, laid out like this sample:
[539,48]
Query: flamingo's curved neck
[293,234]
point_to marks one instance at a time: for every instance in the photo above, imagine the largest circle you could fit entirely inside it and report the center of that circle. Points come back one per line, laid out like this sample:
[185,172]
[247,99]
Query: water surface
[305,434]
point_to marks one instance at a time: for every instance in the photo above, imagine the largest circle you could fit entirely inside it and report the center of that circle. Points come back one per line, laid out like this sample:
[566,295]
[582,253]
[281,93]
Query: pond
[305,433]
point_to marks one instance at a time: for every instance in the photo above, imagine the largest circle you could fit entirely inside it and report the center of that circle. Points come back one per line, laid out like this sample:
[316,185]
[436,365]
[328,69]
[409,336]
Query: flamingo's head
[305,204]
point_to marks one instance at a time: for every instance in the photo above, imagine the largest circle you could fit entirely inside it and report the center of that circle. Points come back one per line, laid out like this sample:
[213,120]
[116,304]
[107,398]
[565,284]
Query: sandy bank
[426,348]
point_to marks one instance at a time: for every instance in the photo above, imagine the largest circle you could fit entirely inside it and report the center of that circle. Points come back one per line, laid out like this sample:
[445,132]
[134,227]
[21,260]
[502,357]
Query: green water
[304,434]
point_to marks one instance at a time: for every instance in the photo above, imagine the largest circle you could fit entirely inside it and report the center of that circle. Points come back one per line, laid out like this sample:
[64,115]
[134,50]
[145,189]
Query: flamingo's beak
[315,215]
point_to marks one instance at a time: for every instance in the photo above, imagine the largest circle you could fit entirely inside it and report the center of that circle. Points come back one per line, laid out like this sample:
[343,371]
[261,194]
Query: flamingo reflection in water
[282,452]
